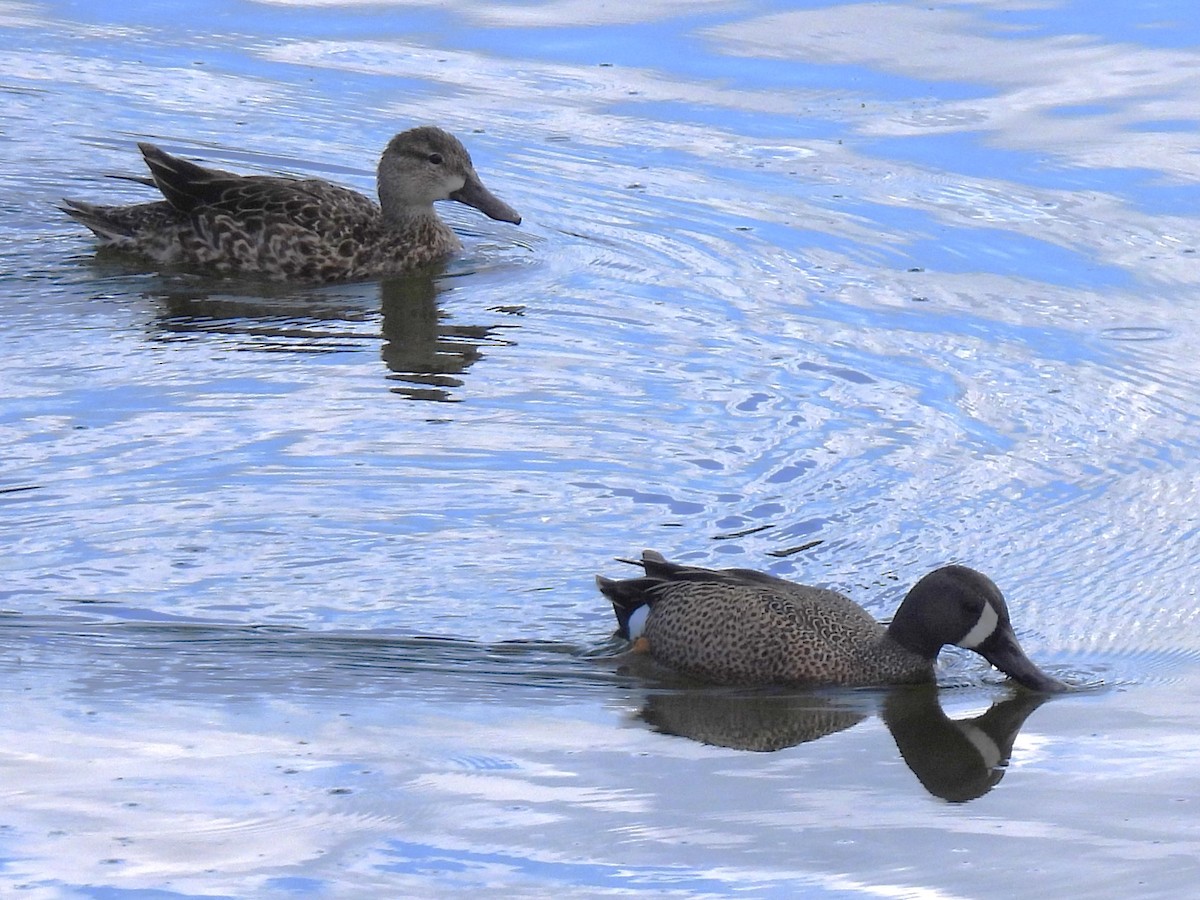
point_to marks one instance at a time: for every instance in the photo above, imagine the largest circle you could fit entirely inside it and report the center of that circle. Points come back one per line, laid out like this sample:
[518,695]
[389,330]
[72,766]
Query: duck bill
[1003,652]
[473,193]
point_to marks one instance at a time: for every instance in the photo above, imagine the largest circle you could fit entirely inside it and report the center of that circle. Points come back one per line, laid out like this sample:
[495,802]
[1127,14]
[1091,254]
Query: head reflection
[954,759]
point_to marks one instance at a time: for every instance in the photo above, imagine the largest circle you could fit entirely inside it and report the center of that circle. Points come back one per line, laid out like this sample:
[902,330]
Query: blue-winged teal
[741,626]
[300,229]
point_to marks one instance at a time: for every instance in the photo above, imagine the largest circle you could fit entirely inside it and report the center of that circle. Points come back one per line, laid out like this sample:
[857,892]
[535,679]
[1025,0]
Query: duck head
[958,605]
[426,164]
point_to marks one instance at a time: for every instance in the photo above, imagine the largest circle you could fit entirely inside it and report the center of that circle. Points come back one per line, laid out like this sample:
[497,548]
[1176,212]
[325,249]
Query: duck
[299,229]
[740,626]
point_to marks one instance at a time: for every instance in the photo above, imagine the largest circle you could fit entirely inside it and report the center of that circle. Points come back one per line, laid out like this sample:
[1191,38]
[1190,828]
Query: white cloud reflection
[554,14]
[1073,95]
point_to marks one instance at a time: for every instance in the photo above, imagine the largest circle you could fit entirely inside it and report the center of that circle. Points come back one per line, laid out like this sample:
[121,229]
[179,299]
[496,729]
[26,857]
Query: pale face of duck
[426,164]
[957,605]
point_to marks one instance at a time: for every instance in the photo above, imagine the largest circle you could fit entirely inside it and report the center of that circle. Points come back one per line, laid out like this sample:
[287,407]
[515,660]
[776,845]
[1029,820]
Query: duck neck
[405,215]
[905,630]
[897,664]
[397,204]
[418,223]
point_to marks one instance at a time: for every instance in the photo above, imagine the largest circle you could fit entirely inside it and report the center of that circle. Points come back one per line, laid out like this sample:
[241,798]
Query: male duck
[741,626]
[300,229]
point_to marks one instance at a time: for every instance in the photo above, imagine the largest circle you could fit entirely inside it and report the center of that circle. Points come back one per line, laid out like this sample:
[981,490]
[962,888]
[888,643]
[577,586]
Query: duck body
[299,229]
[738,626]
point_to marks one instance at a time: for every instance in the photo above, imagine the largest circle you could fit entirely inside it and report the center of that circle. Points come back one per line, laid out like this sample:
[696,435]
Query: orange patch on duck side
[641,645]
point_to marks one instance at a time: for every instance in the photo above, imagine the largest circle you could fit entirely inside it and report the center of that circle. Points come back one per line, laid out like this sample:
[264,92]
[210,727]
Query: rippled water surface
[297,588]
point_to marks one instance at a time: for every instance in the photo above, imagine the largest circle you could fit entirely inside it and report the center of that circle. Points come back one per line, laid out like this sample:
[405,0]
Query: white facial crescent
[983,628]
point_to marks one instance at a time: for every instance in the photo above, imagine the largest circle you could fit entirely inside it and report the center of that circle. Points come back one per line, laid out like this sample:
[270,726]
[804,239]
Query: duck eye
[435,158]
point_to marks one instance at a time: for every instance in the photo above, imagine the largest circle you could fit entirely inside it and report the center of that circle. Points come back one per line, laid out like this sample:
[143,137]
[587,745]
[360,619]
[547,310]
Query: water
[297,591]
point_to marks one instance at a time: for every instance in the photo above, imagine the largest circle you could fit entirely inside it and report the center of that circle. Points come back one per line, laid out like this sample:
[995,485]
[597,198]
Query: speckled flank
[299,229]
[735,632]
[745,627]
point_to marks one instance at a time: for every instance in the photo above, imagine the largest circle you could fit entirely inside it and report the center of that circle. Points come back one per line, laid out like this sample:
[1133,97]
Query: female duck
[300,229]
[739,626]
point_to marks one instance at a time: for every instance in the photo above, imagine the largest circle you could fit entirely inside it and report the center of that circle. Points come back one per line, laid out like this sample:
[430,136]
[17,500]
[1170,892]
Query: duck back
[739,626]
[752,631]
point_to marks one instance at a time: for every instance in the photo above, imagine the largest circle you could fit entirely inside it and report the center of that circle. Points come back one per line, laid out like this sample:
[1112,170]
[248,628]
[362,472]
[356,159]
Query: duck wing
[747,631]
[255,200]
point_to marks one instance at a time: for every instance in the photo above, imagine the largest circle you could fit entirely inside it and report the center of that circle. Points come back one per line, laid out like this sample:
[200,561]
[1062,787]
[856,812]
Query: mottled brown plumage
[739,626]
[299,229]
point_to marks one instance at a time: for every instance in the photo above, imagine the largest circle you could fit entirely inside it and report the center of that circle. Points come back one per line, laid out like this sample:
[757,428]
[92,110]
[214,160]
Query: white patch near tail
[637,621]
[983,628]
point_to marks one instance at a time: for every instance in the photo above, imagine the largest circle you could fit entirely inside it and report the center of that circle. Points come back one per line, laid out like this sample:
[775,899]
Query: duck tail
[627,595]
[100,219]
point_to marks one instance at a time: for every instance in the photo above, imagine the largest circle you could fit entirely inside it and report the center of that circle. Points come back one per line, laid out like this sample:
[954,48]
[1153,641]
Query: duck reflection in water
[955,759]
[422,349]
[425,352]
